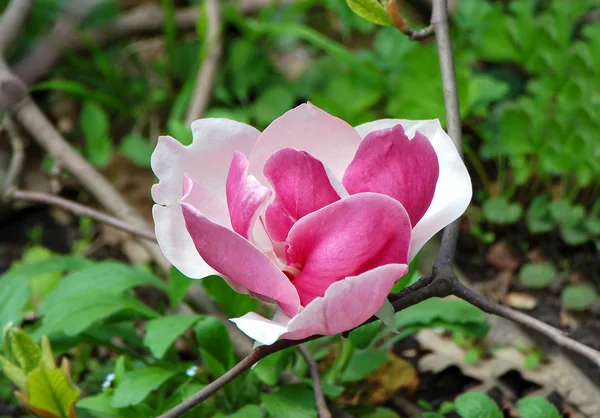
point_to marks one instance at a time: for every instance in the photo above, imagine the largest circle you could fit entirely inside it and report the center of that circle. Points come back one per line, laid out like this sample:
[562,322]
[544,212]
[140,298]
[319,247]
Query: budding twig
[400,23]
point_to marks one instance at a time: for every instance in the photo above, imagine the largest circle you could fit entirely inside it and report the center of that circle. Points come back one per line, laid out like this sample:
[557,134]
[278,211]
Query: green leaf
[51,390]
[362,336]
[213,337]
[290,401]
[272,103]
[477,405]
[362,363]
[23,349]
[104,277]
[95,125]
[248,411]
[447,310]
[578,298]
[14,284]
[100,404]
[137,148]
[381,413]
[499,210]
[180,131]
[371,10]
[536,407]
[538,215]
[138,384]
[532,360]
[269,369]
[177,286]
[537,276]
[232,303]
[162,332]
[14,373]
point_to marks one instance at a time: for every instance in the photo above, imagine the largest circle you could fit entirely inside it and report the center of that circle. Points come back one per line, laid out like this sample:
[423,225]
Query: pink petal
[176,244]
[387,162]
[245,196]
[346,304]
[347,238]
[206,160]
[453,190]
[307,128]
[238,260]
[301,187]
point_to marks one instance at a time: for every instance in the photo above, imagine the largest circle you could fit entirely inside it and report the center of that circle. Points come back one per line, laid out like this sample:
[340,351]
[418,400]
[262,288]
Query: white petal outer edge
[267,331]
[206,160]
[453,190]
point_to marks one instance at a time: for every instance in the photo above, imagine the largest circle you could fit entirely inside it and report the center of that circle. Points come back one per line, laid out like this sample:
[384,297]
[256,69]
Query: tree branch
[554,334]
[12,20]
[400,23]
[81,210]
[207,74]
[316,379]
[16,160]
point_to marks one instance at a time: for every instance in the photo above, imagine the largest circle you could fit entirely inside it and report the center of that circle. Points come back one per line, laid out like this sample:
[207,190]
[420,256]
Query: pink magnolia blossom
[312,214]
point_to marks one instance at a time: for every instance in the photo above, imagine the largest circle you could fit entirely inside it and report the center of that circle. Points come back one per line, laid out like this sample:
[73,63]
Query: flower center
[291,272]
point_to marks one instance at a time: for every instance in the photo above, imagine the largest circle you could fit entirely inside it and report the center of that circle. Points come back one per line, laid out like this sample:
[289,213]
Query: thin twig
[400,23]
[16,161]
[439,21]
[81,210]
[255,355]
[142,20]
[40,59]
[554,334]
[207,74]
[316,379]
[12,20]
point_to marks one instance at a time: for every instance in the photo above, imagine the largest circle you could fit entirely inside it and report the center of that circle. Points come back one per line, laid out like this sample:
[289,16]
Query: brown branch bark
[17,158]
[316,379]
[81,210]
[12,20]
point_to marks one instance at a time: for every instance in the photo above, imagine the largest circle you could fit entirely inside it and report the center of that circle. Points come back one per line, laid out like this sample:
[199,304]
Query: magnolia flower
[312,214]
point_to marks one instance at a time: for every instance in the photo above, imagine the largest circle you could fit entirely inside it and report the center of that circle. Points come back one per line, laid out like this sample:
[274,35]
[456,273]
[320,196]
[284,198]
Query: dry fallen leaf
[520,301]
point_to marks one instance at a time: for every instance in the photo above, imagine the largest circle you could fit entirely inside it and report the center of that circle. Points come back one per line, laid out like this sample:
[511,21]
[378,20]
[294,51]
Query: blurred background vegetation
[528,73]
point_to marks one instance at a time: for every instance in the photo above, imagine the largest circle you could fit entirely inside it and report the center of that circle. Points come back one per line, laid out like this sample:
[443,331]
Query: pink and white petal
[237,259]
[245,197]
[301,186]
[263,330]
[389,163]
[203,200]
[176,244]
[346,304]
[453,191]
[307,128]
[206,160]
[347,238]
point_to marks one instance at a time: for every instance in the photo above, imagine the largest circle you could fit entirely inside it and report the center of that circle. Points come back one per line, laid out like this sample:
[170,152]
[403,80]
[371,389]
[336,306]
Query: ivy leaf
[578,298]
[162,332]
[537,276]
[536,407]
[371,10]
[477,405]
[498,210]
[51,390]
[362,336]
[137,149]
